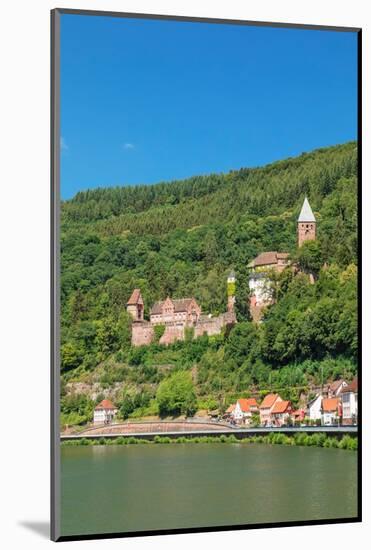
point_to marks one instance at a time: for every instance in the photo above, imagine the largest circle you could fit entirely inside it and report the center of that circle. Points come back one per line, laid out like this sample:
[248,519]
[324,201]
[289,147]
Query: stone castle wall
[142,334]
[172,334]
[211,327]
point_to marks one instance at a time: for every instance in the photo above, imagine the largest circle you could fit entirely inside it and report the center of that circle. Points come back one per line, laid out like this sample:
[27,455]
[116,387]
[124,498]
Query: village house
[280,413]
[349,401]
[229,411]
[269,262]
[298,416]
[105,412]
[315,408]
[331,411]
[334,389]
[265,409]
[243,410]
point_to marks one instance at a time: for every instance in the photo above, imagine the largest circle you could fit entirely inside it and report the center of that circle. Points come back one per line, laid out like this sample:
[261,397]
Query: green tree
[71,356]
[176,395]
[309,256]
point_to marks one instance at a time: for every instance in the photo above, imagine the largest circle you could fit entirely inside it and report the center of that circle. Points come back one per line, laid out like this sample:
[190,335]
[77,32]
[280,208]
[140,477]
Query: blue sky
[144,101]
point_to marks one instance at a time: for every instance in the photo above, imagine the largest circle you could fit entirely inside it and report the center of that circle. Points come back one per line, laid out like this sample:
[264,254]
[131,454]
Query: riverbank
[297,439]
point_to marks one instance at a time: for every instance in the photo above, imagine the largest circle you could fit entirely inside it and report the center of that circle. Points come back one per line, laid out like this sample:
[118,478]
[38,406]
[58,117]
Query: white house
[105,412]
[331,411]
[244,409]
[229,411]
[349,402]
[260,288]
[261,269]
[315,408]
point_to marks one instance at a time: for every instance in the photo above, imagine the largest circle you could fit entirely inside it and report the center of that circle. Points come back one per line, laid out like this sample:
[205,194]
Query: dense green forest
[181,239]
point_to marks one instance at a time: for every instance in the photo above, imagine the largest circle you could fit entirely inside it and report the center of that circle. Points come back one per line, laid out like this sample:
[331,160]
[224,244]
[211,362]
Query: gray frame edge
[199,19]
[55,470]
[55,467]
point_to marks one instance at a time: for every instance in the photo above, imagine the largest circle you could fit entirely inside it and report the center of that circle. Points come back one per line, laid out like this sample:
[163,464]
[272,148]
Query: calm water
[138,487]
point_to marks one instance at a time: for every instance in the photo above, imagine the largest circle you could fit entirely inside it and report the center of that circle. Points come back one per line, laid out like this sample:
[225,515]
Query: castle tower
[135,305]
[306,224]
[231,291]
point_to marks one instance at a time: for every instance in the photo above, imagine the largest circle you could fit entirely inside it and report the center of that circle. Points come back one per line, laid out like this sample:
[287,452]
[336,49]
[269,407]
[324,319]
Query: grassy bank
[298,439]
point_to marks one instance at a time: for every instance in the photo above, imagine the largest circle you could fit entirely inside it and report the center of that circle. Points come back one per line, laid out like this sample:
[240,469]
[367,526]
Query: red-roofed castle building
[176,315]
[135,305]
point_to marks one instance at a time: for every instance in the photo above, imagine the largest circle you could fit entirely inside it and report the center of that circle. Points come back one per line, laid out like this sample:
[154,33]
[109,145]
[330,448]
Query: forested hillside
[181,239]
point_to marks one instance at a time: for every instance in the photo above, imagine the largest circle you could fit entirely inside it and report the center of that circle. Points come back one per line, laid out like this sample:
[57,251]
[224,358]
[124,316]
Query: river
[168,486]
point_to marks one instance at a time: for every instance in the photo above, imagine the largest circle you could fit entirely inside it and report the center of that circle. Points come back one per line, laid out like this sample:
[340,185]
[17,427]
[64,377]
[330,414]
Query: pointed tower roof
[306,214]
[135,298]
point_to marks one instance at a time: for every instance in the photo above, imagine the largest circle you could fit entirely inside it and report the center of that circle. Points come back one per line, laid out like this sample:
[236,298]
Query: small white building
[315,408]
[261,269]
[331,411]
[244,409]
[349,402]
[260,288]
[105,412]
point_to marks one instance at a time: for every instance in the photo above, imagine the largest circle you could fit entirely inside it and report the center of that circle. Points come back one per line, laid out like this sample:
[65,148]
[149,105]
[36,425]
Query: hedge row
[298,439]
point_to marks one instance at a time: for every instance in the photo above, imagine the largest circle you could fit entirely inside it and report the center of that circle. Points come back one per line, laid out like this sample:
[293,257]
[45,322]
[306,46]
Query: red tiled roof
[179,305]
[330,405]
[231,408]
[105,404]
[265,258]
[135,298]
[269,400]
[335,385]
[281,407]
[269,258]
[352,387]
[246,404]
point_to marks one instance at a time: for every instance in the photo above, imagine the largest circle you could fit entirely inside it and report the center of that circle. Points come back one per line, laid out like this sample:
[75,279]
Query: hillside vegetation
[181,239]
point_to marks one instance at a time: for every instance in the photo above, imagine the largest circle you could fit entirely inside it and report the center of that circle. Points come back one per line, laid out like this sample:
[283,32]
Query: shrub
[176,395]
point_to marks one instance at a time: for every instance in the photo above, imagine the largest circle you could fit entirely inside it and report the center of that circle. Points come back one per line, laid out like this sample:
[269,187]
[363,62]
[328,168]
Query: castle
[266,262]
[176,316]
